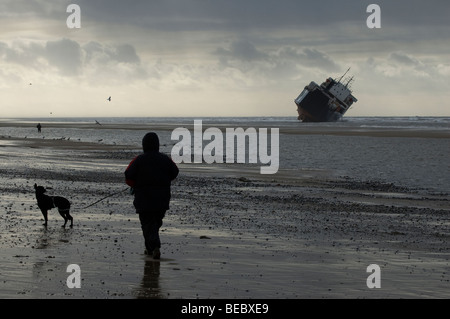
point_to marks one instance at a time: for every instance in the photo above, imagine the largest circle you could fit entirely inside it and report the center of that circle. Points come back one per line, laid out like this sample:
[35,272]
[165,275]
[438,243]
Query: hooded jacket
[150,175]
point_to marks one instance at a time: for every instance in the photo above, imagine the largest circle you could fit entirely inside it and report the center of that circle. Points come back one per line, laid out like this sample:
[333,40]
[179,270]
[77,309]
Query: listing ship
[327,102]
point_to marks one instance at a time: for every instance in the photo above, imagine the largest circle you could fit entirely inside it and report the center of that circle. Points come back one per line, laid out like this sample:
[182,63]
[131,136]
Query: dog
[46,202]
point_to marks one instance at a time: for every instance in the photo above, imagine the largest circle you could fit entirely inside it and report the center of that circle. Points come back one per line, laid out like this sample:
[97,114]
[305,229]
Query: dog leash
[105,198]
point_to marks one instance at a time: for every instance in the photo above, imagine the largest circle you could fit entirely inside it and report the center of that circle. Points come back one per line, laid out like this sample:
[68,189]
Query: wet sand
[230,232]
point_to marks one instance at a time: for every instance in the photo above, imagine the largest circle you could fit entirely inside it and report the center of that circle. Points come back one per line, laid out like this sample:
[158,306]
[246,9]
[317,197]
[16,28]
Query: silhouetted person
[150,176]
[39,127]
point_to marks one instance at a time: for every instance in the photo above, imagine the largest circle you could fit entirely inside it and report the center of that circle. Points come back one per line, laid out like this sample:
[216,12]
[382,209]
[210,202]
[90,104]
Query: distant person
[39,127]
[150,176]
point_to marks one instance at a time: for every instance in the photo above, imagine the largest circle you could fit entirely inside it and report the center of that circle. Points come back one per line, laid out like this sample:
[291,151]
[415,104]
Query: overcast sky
[220,58]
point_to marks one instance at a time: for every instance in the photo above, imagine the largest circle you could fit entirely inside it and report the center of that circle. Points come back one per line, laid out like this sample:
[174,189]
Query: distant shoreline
[342,128]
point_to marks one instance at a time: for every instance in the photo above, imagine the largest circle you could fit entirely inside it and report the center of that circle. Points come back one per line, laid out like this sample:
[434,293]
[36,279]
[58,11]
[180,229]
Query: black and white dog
[46,202]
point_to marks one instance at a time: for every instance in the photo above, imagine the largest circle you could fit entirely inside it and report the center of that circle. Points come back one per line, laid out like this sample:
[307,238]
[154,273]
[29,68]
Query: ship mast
[349,81]
[344,75]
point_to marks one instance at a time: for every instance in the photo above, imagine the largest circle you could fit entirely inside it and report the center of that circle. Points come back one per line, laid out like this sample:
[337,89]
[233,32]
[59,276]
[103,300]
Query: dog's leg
[71,219]
[63,214]
[44,213]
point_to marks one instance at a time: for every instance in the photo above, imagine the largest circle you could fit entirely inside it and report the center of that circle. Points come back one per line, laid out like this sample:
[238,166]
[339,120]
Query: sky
[220,58]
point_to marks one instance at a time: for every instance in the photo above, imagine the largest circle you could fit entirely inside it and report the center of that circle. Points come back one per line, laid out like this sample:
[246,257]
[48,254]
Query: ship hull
[305,116]
[314,108]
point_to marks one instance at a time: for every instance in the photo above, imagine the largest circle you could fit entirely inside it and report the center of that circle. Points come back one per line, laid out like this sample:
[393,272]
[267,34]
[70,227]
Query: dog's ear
[35,185]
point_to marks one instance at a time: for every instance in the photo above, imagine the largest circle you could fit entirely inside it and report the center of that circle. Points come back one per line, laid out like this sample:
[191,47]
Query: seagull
[97,122]
[109,99]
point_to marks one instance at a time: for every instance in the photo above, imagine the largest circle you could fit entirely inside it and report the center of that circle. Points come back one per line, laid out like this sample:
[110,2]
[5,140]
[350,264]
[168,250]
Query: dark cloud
[244,55]
[178,15]
[241,50]
[402,58]
[21,53]
[66,55]
[103,54]
[69,58]
[220,15]
[235,15]
[325,22]
[127,54]
[28,8]
[316,58]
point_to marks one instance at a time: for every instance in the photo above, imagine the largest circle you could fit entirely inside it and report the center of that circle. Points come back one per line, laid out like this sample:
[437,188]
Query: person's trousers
[151,222]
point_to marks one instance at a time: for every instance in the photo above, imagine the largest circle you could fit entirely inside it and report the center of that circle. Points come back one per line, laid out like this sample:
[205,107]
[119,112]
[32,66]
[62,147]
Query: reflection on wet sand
[149,287]
[46,237]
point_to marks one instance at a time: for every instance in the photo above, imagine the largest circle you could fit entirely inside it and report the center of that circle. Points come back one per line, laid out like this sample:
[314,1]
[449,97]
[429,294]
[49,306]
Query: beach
[231,232]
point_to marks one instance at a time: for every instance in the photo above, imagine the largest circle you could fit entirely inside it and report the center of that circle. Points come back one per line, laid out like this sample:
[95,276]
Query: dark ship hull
[325,103]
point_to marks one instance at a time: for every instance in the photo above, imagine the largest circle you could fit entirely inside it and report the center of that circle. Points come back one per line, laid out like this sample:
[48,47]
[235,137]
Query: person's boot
[156,253]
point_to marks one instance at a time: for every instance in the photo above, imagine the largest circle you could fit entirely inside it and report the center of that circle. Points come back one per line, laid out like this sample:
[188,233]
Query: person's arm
[173,169]
[130,173]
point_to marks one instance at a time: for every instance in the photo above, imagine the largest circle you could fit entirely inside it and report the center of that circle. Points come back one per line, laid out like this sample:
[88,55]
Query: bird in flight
[109,99]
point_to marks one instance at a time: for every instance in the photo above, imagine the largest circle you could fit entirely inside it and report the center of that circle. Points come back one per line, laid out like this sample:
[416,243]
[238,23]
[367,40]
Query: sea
[414,162]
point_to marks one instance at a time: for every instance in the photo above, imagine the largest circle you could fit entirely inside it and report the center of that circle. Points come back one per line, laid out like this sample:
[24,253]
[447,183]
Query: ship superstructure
[327,102]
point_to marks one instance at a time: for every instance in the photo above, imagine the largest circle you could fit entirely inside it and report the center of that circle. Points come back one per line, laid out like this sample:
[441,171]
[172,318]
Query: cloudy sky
[220,58]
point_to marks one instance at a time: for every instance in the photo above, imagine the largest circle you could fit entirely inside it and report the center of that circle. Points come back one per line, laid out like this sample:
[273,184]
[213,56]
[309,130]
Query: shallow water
[407,161]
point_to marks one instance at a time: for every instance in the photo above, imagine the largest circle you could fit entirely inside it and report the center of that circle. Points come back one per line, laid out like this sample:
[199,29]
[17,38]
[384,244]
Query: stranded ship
[327,102]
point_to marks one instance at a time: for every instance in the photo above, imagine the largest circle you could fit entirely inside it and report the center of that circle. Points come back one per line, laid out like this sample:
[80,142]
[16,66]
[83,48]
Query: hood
[150,142]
